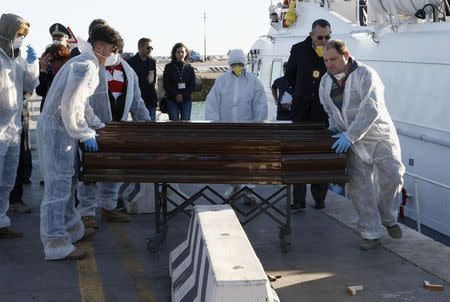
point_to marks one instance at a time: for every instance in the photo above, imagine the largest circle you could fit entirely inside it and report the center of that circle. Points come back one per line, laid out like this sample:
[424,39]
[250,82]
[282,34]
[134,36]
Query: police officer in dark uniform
[60,34]
[304,70]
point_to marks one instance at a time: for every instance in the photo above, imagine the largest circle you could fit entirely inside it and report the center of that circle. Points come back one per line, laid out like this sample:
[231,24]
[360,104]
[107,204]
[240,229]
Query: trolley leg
[154,243]
[285,230]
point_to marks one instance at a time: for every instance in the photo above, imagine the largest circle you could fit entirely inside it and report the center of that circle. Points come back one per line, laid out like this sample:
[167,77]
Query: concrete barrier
[216,263]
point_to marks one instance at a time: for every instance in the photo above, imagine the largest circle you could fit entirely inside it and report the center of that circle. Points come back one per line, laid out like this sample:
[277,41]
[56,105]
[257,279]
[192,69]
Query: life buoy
[289,17]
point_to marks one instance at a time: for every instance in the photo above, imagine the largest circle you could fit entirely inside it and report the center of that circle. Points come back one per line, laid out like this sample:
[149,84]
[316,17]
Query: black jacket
[304,71]
[45,80]
[75,52]
[171,79]
[143,70]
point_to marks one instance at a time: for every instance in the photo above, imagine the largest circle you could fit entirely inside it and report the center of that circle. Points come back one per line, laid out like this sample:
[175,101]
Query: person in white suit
[352,94]
[66,120]
[16,77]
[117,96]
[237,96]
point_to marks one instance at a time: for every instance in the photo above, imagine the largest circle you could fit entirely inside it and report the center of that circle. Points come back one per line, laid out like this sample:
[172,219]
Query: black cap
[58,29]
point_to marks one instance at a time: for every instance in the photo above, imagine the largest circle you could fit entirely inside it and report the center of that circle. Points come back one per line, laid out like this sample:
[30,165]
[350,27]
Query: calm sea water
[198,111]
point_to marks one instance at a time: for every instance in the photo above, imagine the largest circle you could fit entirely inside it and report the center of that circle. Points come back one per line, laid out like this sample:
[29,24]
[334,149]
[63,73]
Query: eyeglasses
[327,37]
[149,48]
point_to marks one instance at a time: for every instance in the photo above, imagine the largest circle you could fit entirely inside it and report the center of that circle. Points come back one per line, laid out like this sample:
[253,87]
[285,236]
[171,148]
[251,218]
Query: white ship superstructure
[412,56]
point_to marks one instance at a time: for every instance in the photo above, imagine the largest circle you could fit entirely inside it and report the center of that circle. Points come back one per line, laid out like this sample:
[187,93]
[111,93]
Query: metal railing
[415,178]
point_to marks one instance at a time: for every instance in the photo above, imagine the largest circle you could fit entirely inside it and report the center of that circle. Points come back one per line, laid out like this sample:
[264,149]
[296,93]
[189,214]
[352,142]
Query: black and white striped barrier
[218,69]
[216,263]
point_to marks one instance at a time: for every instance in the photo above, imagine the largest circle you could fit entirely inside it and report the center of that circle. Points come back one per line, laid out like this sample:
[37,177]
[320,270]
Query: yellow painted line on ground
[90,283]
[132,265]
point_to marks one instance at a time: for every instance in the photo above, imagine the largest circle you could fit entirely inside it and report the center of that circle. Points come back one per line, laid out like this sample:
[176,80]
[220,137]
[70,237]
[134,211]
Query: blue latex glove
[90,145]
[31,55]
[342,143]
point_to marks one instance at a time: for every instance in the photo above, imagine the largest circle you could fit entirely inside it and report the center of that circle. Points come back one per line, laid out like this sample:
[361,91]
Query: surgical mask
[339,76]
[237,70]
[17,43]
[319,50]
[14,52]
[112,60]
[60,42]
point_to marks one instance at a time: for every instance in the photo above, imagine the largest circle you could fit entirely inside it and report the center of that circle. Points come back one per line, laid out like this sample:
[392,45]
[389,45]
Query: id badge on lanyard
[181,84]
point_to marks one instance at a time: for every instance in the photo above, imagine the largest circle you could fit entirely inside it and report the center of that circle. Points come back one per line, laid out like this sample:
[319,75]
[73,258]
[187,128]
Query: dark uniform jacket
[304,71]
[143,70]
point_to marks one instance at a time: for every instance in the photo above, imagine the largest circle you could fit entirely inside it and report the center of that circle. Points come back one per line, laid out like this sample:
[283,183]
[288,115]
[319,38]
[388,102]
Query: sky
[229,24]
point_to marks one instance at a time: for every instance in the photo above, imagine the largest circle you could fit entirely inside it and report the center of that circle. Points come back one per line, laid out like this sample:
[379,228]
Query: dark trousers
[25,156]
[284,116]
[25,161]
[318,191]
[179,111]
[152,112]
[28,163]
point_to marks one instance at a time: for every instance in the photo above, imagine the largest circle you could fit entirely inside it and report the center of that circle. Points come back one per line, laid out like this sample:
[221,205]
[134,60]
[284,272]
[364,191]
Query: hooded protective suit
[16,77]
[107,193]
[65,119]
[366,121]
[235,98]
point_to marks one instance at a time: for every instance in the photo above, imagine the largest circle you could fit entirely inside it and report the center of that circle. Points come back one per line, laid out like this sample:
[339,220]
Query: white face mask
[339,76]
[60,42]
[112,60]
[17,43]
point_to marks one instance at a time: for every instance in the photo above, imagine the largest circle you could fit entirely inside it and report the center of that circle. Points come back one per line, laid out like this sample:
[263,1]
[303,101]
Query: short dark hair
[142,41]
[339,45]
[321,23]
[95,23]
[174,50]
[107,34]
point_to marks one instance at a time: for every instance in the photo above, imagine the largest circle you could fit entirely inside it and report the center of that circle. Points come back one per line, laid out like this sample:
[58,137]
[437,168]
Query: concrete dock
[323,260]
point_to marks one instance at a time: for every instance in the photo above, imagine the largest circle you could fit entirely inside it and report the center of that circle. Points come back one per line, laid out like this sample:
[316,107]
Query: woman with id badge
[179,82]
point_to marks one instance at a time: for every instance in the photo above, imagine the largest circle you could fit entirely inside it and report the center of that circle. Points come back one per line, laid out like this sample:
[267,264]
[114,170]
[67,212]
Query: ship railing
[361,12]
[416,178]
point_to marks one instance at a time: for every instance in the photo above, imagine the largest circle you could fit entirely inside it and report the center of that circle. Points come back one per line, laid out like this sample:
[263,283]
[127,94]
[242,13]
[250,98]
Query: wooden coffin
[212,152]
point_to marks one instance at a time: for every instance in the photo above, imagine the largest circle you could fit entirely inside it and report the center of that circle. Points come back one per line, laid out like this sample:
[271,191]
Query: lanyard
[180,73]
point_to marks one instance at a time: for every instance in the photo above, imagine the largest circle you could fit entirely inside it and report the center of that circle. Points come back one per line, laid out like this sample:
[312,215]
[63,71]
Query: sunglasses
[327,37]
[149,48]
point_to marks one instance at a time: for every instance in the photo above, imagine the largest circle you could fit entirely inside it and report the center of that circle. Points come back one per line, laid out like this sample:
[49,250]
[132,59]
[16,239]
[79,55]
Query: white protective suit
[375,147]
[66,119]
[106,193]
[16,77]
[235,98]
